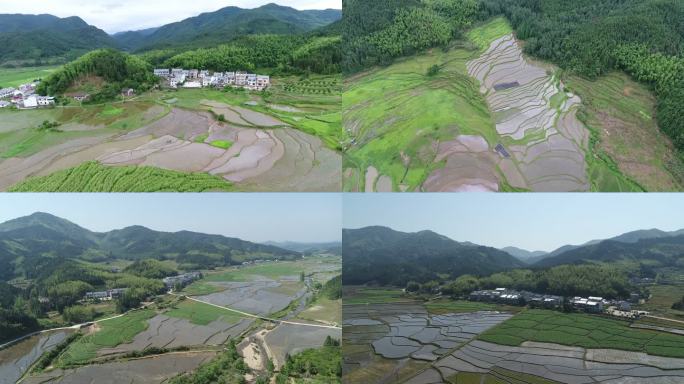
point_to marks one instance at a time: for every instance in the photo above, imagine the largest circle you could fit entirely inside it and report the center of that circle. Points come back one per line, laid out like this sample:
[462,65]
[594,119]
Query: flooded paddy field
[250,146]
[290,339]
[385,343]
[550,363]
[152,370]
[15,360]
[256,297]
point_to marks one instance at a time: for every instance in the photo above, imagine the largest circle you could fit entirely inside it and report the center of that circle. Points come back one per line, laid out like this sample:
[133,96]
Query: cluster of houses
[24,97]
[194,78]
[181,280]
[591,304]
[105,295]
[512,297]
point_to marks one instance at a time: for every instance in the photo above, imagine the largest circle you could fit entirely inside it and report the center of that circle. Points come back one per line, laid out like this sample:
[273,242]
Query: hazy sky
[306,217]
[124,15]
[531,221]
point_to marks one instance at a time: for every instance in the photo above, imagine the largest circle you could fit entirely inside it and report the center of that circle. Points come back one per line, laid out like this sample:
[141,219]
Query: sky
[531,221]
[257,217]
[123,15]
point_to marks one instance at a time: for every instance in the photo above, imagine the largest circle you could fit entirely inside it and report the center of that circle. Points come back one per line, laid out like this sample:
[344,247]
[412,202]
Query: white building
[4,104]
[240,79]
[6,92]
[45,101]
[162,72]
[31,102]
[193,73]
[263,81]
[192,84]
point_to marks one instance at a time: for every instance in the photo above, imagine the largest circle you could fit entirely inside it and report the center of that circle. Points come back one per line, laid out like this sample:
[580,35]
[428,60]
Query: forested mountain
[130,40]
[377,32]
[31,39]
[32,245]
[333,247]
[660,251]
[384,256]
[219,27]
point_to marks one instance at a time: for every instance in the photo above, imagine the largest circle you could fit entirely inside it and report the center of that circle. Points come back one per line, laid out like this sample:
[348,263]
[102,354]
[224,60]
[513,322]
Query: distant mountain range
[30,243]
[31,38]
[28,38]
[333,247]
[533,257]
[384,256]
[380,255]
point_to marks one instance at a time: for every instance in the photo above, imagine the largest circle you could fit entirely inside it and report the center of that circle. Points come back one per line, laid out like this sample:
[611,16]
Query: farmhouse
[4,104]
[128,92]
[105,295]
[79,96]
[31,102]
[162,72]
[6,92]
[183,279]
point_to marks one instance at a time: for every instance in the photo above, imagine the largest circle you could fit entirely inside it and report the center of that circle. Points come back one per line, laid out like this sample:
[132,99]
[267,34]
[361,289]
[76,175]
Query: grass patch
[201,138]
[199,288]
[110,110]
[583,330]
[323,309]
[14,77]
[223,144]
[364,295]
[94,177]
[112,333]
[202,314]
[485,34]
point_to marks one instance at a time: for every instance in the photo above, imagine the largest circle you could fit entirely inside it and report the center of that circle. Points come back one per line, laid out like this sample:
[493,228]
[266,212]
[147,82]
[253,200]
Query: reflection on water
[15,360]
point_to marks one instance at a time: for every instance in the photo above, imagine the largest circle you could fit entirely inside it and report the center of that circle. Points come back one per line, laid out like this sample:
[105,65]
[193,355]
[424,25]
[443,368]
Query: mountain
[28,38]
[662,250]
[628,237]
[384,256]
[32,243]
[129,40]
[228,23]
[523,254]
[334,247]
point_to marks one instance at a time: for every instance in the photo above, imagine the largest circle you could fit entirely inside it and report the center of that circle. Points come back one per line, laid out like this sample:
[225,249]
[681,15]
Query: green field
[661,300]
[199,288]
[112,333]
[94,177]
[628,151]
[583,330]
[200,313]
[402,109]
[13,77]
[323,309]
[364,295]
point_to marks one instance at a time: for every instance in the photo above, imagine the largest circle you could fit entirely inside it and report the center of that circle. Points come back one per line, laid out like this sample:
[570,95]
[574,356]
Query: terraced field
[249,142]
[539,346]
[16,360]
[490,119]
[391,342]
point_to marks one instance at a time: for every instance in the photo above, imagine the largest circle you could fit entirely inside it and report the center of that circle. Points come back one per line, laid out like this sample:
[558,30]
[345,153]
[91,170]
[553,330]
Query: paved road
[261,317]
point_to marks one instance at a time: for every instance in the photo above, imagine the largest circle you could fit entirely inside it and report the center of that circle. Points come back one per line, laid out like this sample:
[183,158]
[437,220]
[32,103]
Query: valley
[255,306]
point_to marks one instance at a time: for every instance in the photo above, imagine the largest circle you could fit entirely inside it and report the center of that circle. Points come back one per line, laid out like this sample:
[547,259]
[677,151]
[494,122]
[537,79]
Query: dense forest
[118,70]
[277,53]
[377,32]
[564,280]
[593,37]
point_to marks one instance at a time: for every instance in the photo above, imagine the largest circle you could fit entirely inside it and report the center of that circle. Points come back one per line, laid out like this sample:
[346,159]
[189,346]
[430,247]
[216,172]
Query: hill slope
[663,251]
[385,256]
[30,38]
[42,241]
[228,23]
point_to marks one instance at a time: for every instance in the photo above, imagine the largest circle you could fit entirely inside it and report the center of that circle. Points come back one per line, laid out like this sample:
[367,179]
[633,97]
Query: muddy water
[15,360]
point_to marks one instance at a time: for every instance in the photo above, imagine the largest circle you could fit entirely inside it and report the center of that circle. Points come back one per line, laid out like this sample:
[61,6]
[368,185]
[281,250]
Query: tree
[433,70]
[412,286]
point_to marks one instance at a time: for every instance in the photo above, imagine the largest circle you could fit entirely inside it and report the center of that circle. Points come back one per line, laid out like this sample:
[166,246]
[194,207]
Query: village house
[128,92]
[79,96]
[161,72]
[183,279]
[4,104]
[30,102]
[45,101]
[105,295]
[7,92]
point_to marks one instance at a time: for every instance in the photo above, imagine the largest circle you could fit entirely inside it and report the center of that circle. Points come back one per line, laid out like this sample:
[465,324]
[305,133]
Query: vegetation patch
[200,313]
[582,330]
[111,333]
[223,144]
[94,177]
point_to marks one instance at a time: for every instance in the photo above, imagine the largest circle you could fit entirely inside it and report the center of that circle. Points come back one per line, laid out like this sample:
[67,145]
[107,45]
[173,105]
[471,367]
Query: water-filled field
[234,137]
[16,359]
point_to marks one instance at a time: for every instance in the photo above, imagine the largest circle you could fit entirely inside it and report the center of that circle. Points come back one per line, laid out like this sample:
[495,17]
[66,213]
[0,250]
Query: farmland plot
[16,360]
